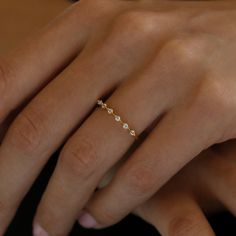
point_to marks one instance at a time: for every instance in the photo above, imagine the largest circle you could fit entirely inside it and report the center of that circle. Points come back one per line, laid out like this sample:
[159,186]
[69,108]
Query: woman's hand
[205,186]
[166,66]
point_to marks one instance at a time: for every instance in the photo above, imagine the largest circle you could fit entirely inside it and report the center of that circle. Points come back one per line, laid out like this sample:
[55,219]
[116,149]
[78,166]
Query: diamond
[117,118]
[132,132]
[125,126]
[109,110]
[100,102]
[104,105]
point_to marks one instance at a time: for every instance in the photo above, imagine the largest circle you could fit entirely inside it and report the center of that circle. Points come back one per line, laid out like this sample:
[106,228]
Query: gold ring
[110,111]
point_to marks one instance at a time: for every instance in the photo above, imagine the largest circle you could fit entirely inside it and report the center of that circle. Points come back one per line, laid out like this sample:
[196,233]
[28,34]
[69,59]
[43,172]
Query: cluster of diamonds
[117,118]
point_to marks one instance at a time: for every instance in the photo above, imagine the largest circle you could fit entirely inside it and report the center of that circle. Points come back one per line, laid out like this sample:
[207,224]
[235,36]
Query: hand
[149,57]
[205,186]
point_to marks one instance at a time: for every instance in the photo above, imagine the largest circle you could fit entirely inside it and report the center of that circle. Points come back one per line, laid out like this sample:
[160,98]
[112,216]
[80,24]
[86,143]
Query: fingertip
[87,221]
[38,230]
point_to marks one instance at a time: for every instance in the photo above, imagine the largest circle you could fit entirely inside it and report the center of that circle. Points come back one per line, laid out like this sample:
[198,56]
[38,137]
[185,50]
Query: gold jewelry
[110,111]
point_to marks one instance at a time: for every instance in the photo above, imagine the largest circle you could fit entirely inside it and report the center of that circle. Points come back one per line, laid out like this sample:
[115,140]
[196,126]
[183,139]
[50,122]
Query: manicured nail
[87,221]
[39,231]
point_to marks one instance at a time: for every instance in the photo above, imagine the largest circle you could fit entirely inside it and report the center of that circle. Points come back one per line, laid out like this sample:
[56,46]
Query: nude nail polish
[39,231]
[87,221]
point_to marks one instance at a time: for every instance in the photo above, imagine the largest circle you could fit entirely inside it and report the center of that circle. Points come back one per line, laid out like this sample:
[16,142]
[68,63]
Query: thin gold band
[110,111]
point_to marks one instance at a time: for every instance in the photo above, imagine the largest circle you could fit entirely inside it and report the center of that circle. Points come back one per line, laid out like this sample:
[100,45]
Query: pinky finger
[175,214]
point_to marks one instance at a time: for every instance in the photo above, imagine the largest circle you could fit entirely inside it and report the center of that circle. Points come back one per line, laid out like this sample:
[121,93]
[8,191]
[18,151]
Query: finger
[82,163]
[4,126]
[30,67]
[88,154]
[220,168]
[182,134]
[62,106]
[174,212]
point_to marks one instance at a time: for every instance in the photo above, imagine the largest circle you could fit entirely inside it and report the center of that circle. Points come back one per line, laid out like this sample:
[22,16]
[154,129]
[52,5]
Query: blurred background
[19,19]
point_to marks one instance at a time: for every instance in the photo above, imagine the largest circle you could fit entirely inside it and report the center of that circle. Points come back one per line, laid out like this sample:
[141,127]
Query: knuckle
[141,180]
[211,100]
[26,131]
[139,24]
[187,50]
[187,224]
[80,157]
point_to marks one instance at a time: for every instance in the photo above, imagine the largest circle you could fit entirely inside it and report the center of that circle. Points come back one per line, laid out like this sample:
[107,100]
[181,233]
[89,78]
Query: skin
[121,52]
[206,185]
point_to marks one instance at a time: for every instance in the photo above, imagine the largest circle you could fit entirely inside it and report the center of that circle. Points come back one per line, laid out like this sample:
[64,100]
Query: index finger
[28,68]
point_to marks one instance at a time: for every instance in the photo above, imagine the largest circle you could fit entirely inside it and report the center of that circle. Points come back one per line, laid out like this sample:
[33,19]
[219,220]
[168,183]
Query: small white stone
[100,102]
[117,118]
[109,110]
[104,105]
[125,126]
[132,132]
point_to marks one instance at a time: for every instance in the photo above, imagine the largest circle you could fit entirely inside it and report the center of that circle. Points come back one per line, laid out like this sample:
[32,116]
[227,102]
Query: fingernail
[87,221]
[39,231]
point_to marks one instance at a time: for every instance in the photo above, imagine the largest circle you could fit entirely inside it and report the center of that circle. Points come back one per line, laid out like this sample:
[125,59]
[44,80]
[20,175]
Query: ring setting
[117,118]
